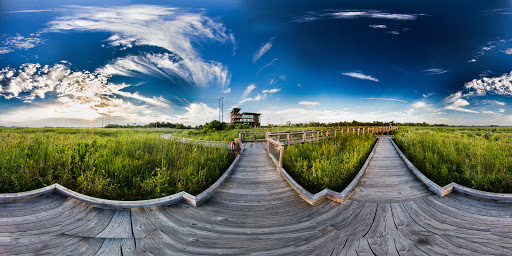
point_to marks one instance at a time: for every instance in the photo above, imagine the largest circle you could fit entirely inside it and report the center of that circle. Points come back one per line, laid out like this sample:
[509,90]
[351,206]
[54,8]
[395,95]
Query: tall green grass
[329,163]
[122,164]
[479,158]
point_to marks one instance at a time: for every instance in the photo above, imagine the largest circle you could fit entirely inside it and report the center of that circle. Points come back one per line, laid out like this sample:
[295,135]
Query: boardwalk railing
[276,143]
[218,144]
[276,150]
[278,140]
[252,136]
[289,138]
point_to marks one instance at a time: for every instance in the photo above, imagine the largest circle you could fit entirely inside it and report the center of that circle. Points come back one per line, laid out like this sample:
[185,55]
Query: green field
[479,158]
[329,163]
[122,164]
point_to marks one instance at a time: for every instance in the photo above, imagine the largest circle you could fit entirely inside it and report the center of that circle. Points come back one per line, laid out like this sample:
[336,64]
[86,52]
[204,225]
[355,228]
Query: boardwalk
[256,213]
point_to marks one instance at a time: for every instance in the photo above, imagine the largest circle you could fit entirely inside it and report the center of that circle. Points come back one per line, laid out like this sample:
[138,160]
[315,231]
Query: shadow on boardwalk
[256,212]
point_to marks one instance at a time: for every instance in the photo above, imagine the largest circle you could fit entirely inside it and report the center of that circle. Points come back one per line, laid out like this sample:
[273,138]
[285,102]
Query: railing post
[303,137]
[281,155]
[288,139]
[240,136]
[358,129]
[238,147]
[254,136]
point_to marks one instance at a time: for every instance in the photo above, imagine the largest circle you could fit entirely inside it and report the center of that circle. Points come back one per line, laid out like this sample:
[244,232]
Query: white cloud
[458,105]
[271,90]
[428,95]
[198,113]
[19,42]
[378,26]
[435,71]
[389,99]
[420,104]
[356,14]
[79,95]
[248,90]
[309,103]
[228,90]
[359,75]
[501,85]
[494,102]
[169,28]
[167,66]
[263,49]
[501,110]
[267,65]
[31,11]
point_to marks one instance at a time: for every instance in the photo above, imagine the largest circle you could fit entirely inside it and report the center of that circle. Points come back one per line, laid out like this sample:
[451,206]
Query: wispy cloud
[390,99]
[167,66]
[378,26]
[359,75]
[248,90]
[19,42]
[228,90]
[170,28]
[271,90]
[261,96]
[435,71]
[355,14]
[267,65]
[427,94]
[263,49]
[420,104]
[32,11]
[309,103]
[494,102]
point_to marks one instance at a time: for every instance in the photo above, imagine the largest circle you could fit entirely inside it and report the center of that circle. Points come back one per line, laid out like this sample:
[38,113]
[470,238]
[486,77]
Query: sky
[78,63]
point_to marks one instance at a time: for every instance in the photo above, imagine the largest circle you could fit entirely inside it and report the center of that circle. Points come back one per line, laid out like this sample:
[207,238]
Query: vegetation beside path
[330,163]
[121,164]
[479,158]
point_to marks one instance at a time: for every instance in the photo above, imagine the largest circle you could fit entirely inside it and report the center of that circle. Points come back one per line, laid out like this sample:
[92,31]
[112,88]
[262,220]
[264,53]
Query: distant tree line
[216,125]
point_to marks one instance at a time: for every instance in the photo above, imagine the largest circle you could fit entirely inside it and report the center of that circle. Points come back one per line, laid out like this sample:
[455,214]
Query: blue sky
[74,63]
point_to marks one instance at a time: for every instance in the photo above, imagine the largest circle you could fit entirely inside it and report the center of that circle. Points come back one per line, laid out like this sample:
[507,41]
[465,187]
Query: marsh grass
[121,164]
[329,163]
[479,158]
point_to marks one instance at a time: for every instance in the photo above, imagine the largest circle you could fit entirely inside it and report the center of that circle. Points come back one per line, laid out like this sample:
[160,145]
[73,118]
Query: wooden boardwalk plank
[257,212]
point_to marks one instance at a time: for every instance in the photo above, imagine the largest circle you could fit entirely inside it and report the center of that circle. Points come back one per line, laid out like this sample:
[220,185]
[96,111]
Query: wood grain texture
[255,212]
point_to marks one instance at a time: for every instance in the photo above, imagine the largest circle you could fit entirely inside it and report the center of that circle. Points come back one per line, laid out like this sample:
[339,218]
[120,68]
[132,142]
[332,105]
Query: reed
[121,164]
[479,158]
[329,163]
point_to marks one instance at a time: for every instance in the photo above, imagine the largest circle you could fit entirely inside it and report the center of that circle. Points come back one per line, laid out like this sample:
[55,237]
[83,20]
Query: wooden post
[268,146]
[358,128]
[238,147]
[304,138]
[254,136]
[281,154]
[288,139]
[335,132]
[240,136]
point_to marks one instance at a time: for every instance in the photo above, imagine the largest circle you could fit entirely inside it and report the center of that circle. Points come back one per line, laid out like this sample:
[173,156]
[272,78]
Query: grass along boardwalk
[257,212]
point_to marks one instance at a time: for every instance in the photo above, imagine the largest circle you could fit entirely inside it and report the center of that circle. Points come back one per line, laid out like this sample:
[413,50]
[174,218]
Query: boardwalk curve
[255,212]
